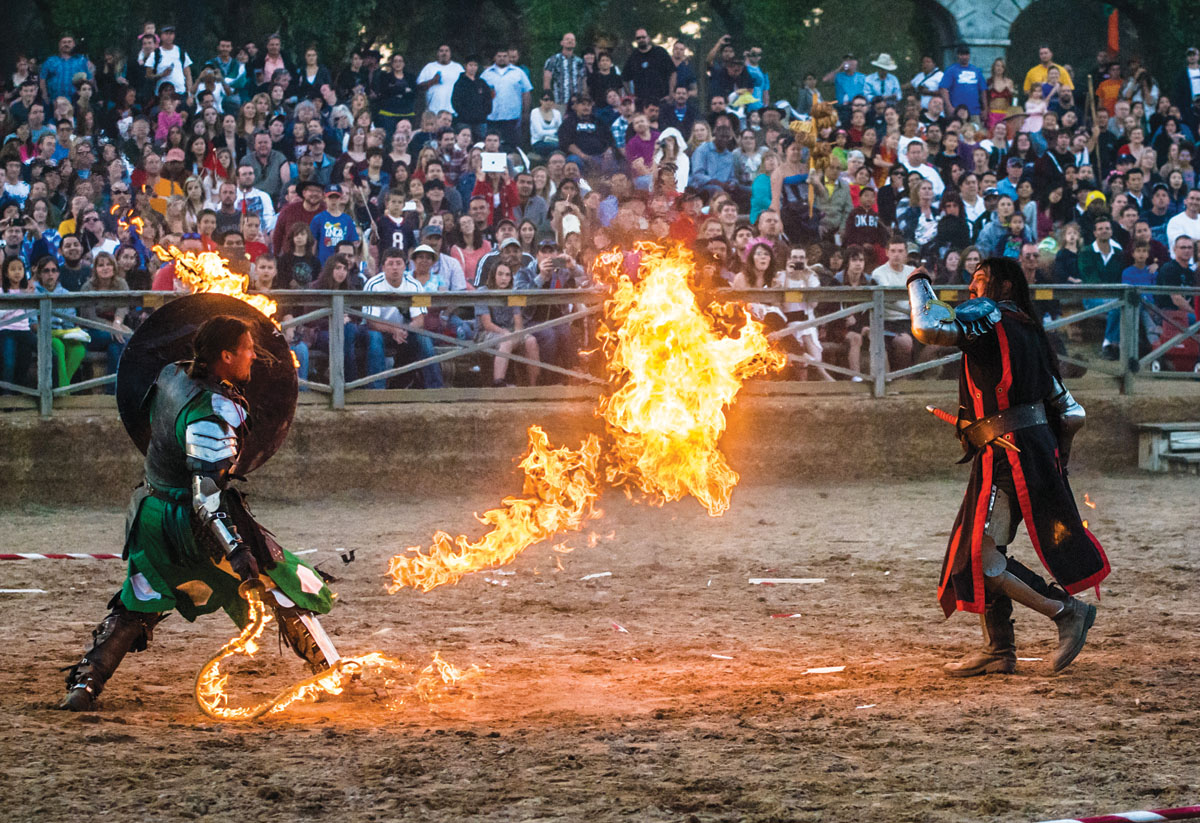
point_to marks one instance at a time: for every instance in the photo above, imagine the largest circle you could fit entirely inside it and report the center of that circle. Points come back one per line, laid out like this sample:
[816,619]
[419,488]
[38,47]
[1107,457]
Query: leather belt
[175,496]
[982,432]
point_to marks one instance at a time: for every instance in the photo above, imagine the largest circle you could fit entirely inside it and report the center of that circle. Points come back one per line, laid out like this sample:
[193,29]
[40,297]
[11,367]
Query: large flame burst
[673,367]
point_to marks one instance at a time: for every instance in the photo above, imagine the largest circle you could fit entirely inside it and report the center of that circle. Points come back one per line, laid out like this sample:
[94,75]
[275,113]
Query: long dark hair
[326,281]
[215,335]
[1003,270]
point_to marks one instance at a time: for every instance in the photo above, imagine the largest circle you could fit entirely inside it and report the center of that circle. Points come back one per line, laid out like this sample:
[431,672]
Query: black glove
[243,562]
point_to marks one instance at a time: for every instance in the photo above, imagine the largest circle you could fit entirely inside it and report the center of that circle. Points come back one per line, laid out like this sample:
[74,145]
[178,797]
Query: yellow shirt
[161,191]
[1038,73]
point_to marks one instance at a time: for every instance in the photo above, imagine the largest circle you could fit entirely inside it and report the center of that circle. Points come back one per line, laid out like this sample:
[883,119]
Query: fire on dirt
[673,366]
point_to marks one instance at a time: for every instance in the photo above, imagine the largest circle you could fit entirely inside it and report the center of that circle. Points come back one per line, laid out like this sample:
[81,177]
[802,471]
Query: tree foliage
[796,36]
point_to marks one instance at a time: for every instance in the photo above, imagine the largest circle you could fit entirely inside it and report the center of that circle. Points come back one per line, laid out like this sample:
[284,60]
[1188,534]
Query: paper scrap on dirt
[1030,659]
[774,581]
[826,670]
[721,656]
[784,616]
[22,591]
[618,627]
[867,706]
[595,575]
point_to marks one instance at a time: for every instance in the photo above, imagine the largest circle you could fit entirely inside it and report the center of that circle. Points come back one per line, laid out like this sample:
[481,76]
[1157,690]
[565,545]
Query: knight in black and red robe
[1016,421]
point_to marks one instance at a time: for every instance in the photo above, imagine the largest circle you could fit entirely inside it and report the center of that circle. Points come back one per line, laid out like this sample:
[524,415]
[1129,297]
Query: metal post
[337,352]
[45,357]
[878,345]
[1131,309]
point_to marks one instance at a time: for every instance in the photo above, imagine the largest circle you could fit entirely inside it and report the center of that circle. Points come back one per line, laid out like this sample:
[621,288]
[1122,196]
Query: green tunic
[170,569]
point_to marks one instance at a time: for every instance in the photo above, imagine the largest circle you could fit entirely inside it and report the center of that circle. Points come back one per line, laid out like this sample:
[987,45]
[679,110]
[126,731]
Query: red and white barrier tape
[60,556]
[1182,813]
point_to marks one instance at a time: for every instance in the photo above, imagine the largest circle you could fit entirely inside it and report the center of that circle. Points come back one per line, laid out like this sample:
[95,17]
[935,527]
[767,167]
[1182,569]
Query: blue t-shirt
[848,86]
[964,84]
[331,231]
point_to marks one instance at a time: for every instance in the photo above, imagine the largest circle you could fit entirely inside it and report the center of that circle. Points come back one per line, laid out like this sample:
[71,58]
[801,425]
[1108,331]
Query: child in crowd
[500,320]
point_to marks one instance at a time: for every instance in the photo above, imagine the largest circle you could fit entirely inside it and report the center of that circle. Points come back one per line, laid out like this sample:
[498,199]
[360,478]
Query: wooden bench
[1168,446]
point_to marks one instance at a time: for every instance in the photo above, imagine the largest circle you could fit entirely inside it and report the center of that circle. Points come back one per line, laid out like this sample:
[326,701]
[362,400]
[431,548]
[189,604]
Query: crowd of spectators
[482,173]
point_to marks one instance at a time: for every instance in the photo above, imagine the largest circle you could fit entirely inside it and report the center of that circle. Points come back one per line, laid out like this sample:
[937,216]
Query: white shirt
[1181,225]
[409,285]
[257,201]
[1194,79]
[510,84]
[927,85]
[885,275]
[437,96]
[973,211]
[929,173]
[540,130]
[176,59]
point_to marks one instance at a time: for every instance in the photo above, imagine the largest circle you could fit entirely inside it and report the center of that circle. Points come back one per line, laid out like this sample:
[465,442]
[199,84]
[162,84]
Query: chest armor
[166,465]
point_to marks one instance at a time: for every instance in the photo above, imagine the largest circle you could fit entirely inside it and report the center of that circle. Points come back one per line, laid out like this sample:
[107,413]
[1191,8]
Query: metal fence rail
[1138,358]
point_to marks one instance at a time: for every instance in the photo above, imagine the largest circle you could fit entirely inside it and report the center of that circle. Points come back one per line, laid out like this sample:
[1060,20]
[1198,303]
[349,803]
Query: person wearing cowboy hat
[882,83]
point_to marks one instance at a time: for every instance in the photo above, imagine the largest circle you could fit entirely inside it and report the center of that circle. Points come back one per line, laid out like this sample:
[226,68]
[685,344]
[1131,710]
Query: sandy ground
[576,720]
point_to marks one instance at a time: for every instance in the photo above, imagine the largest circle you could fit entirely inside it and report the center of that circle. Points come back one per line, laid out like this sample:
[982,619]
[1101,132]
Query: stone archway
[984,25]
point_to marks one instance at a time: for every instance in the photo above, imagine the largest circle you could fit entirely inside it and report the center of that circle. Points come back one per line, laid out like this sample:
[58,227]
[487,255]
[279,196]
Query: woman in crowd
[469,244]
[17,340]
[105,278]
[339,274]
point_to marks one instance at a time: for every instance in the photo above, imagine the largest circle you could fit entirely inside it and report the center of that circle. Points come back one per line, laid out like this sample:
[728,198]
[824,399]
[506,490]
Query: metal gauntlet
[1070,416]
[211,447]
[932,320]
[939,324]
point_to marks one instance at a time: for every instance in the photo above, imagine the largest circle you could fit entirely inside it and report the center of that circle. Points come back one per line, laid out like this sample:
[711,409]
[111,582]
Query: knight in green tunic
[190,538]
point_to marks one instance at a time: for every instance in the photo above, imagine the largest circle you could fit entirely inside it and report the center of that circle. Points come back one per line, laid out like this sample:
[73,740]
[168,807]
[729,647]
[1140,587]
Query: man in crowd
[649,70]
[564,75]
[1040,72]
[510,97]
[437,79]
[895,272]
[252,200]
[271,170]
[964,84]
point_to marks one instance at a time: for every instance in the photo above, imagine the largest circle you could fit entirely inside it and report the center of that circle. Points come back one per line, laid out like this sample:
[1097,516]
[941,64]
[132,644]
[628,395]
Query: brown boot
[121,632]
[1073,623]
[999,654]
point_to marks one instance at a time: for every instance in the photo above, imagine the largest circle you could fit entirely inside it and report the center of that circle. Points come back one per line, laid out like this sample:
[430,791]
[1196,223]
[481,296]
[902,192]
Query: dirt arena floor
[670,690]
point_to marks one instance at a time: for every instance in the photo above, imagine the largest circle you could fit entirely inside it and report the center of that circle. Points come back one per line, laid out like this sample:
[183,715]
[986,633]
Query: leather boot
[121,632]
[1073,623]
[999,655]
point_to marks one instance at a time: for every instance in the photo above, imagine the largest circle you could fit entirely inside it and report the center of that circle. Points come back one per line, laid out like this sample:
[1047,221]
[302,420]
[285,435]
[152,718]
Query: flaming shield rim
[166,337]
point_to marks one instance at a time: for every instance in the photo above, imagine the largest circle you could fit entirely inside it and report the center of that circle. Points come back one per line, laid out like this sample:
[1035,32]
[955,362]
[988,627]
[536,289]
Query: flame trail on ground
[436,681]
[673,367]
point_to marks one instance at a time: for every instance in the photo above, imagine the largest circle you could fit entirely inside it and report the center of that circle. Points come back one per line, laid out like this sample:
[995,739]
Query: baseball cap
[991,191]
[510,241]
[432,230]
[316,138]
[423,249]
[334,188]
[167,28]
[174,156]
[1013,162]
